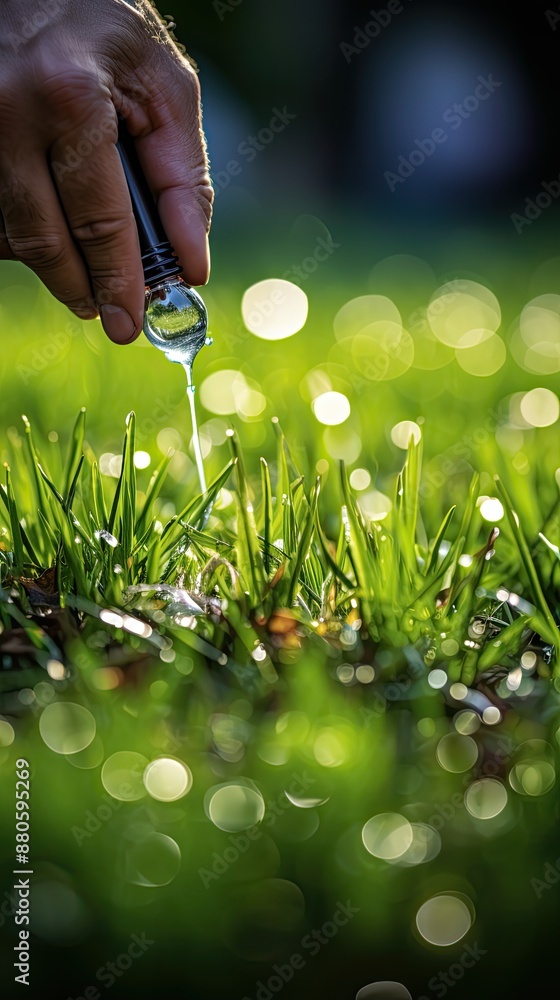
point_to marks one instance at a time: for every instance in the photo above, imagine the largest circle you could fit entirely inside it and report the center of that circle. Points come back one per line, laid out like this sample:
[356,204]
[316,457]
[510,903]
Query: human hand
[67,68]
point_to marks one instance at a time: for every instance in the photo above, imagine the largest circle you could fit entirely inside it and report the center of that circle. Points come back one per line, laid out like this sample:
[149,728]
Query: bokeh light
[491,715]
[387,836]
[483,359]
[228,391]
[437,678]
[486,798]
[375,505]
[122,775]
[274,309]
[382,351]
[7,733]
[425,846]
[360,479]
[456,753]
[467,722]
[533,778]
[384,991]
[536,341]
[463,313]
[66,727]
[444,920]
[331,747]
[533,772]
[153,860]
[167,779]
[402,432]
[234,807]
[540,407]
[142,459]
[343,443]
[331,408]
[491,509]
[363,311]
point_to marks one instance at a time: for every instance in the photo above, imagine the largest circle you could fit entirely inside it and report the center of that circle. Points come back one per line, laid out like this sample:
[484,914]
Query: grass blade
[531,571]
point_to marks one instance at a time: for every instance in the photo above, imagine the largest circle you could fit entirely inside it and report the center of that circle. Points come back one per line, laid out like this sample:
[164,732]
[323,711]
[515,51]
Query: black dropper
[159,259]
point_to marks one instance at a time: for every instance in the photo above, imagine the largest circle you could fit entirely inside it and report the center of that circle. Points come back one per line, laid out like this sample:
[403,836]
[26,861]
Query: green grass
[232,641]
[218,579]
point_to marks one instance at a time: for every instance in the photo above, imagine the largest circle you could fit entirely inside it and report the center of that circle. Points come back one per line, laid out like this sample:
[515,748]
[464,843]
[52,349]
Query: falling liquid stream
[191,396]
[176,322]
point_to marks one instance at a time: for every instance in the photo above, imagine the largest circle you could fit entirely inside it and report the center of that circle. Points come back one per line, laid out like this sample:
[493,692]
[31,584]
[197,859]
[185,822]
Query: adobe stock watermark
[455,116]
[310,945]
[251,146]
[440,984]
[54,350]
[225,7]
[240,843]
[94,820]
[38,18]
[534,207]
[162,412]
[550,878]
[109,973]
[364,36]
[418,320]
[91,139]
[323,251]
[553,17]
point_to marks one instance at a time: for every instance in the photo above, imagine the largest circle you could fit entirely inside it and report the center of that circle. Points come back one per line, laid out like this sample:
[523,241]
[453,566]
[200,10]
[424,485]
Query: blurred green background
[318,186]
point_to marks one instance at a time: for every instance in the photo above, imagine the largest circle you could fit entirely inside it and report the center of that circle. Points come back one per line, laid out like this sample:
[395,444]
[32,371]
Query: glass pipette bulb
[176,321]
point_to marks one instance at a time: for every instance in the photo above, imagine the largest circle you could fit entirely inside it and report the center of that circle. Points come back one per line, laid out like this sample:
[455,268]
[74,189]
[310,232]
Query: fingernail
[117,323]
[86,313]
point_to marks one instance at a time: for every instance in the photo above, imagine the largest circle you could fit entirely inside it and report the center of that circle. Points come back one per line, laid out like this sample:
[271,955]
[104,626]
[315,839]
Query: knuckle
[72,90]
[205,200]
[40,253]
[99,231]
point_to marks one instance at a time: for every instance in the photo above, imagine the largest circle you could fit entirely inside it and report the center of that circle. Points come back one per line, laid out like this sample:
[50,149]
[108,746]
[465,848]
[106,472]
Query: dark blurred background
[361,102]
